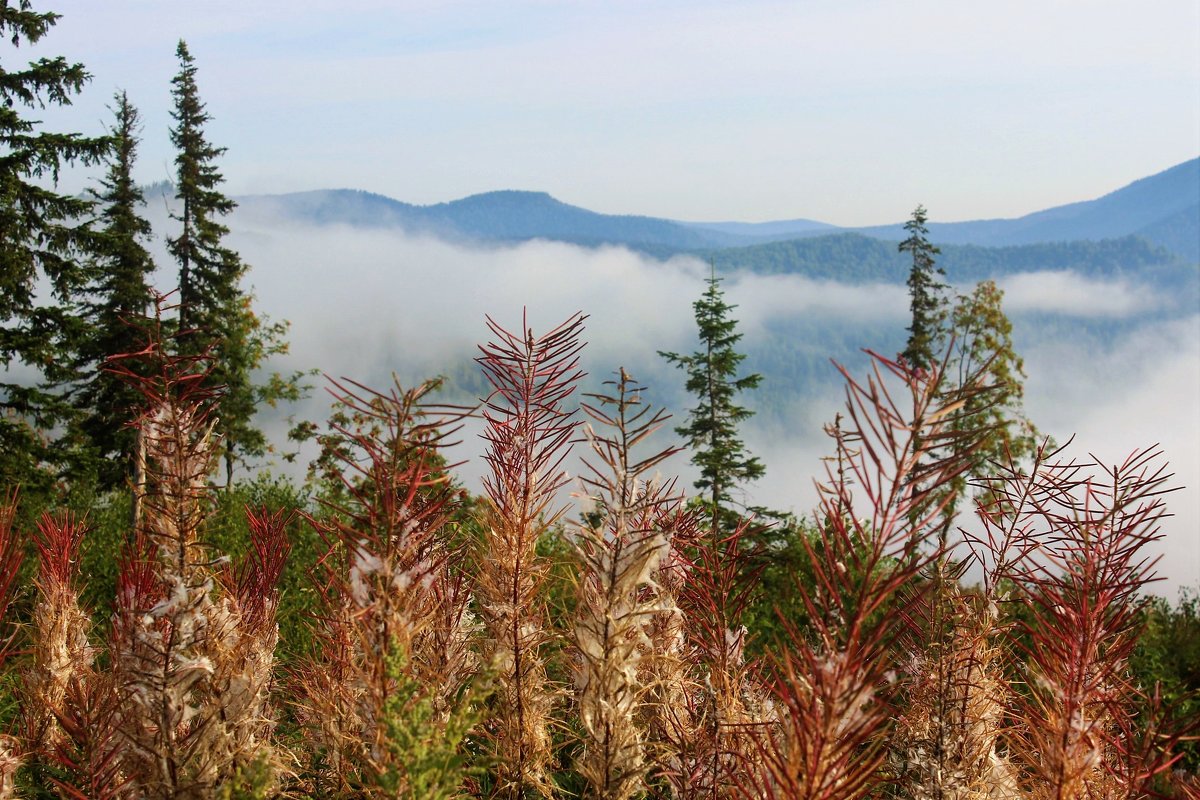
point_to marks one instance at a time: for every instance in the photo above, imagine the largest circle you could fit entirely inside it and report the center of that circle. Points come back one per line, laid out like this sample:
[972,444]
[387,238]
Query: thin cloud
[1074,295]
[366,303]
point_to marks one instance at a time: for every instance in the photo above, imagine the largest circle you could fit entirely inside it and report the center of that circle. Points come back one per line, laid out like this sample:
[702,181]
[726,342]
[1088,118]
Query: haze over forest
[355,273]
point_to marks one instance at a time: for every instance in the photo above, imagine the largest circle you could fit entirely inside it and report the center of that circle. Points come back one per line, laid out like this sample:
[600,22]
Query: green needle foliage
[712,377]
[973,336]
[119,299]
[427,742]
[925,292]
[41,238]
[212,304]
[209,272]
[210,297]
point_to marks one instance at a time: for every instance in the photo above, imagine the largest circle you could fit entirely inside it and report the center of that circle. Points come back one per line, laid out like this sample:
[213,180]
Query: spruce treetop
[197,176]
[712,377]
[214,310]
[208,271]
[925,294]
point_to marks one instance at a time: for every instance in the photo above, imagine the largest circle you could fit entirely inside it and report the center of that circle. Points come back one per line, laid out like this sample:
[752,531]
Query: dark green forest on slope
[854,258]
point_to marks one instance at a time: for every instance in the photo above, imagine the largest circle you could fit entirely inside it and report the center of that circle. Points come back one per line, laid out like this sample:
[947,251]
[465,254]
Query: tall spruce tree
[712,378]
[926,295]
[215,315]
[43,239]
[209,272]
[118,304]
[992,421]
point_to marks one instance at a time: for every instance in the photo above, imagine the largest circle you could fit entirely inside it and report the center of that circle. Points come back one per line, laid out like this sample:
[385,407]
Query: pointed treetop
[712,427]
[926,294]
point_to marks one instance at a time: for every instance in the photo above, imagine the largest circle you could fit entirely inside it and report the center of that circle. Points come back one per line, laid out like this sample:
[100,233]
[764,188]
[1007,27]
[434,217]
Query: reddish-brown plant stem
[394,605]
[620,547]
[61,651]
[1082,531]
[879,511]
[529,431]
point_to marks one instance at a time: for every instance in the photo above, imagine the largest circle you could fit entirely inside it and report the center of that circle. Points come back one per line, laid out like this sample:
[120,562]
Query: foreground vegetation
[438,645]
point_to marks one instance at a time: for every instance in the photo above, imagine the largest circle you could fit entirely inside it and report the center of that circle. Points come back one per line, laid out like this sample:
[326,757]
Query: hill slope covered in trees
[1161,208]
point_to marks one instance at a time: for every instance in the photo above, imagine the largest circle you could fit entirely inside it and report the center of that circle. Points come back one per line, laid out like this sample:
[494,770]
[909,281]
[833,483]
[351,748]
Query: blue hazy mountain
[1179,233]
[1163,209]
[773,231]
[502,216]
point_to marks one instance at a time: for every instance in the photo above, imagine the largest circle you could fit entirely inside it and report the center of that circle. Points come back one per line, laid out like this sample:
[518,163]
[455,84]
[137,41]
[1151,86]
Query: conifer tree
[712,377]
[925,294]
[214,313]
[209,272]
[43,236]
[119,303]
[980,334]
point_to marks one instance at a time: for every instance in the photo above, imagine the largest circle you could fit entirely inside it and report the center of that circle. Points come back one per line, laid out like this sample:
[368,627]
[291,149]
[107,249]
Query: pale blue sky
[849,111]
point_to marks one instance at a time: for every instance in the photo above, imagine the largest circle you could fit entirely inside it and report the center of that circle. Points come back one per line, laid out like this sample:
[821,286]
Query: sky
[847,111]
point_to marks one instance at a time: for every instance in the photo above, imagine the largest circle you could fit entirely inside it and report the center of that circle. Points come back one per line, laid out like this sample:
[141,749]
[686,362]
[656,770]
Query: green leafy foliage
[982,350]
[253,782]
[1168,657]
[228,531]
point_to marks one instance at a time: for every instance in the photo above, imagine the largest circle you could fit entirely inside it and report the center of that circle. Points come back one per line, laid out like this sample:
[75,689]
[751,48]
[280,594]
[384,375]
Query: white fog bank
[365,303]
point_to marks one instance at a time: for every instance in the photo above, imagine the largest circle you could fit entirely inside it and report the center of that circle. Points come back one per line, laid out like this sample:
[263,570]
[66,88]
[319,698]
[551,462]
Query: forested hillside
[854,258]
[1134,209]
[501,216]
[1162,209]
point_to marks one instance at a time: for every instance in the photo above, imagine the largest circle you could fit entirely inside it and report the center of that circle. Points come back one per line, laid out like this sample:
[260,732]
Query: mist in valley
[1112,363]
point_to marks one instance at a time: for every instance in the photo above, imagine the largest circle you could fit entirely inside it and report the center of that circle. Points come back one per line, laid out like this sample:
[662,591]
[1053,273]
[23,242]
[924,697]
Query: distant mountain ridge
[501,216]
[1164,209]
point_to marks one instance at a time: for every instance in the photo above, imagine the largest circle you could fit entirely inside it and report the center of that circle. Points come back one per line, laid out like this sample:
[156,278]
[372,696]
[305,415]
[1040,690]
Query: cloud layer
[1073,295]
[366,303]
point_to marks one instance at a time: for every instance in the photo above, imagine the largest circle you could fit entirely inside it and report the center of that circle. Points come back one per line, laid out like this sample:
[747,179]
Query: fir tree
[43,237]
[712,377]
[119,304]
[214,313]
[209,272]
[925,293]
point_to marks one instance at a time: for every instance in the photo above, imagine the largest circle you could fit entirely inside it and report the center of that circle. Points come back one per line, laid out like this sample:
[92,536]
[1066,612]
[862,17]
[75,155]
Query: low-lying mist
[367,303]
